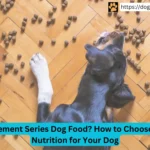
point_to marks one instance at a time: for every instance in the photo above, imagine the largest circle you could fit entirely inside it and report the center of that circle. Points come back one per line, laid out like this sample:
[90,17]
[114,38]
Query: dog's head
[107,63]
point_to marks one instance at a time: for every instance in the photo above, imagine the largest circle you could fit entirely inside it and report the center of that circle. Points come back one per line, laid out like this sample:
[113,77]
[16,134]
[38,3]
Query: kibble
[6,43]
[128,52]
[66,26]
[15,71]
[0,76]
[69,22]
[118,16]
[33,20]
[15,136]
[142,39]
[121,20]
[41,43]
[125,32]
[14,33]
[22,78]
[147,84]
[129,59]
[138,68]
[66,43]
[133,40]
[50,13]
[48,22]
[11,3]
[36,16]
[3,35]
[24,23]
[40,19]
[127,38]
[138,54]
[141,34]
[66,2]
[53,20]
[53,42]
[25,19]
[109,14]
[6,65]
[13,39]
[69,17]
[138,19]
[74,38]
[138,41]
[22,64]
[32,84]
[22,29]
[117,25]
[6,70]
[19,56]
[0,101]
[4,56]
[11,65]
[54,8]
[9,37]
[8,6]
[132,62]
[148,92]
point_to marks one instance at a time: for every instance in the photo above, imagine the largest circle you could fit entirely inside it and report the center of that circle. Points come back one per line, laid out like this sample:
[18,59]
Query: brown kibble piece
[10,66]
[66,26]
[32,84]
[142,39]
[53,42]
[19,56]
[138,19]
[50,13]
[138,54]
[22,29]
[138,41]
[127,38]
[4,56]
[22,78]
[36,16]
[6,70]
[70,18]
[22,64]
[24,23]
[15,71]
[66,2]
[53,20]
[130,36]
[131,32]
[118,16]
[129,59]
[13,39]
[66,43]
[48,22]
[14,32]
[41,43]
[128,52]
[74,38]
[109,14]
[40,19]
[133,40]
[120,20]
[138,68]
[33,20]
[0,76]
[0,100]
[6,43]
[3,35]
[9,37]
[148,93]
[117,25]
[54,8]
[25,19]
[74,18]
[147,84]
[69,22]
[15,136]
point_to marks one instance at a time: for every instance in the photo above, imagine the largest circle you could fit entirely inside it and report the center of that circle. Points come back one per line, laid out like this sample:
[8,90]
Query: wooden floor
[66,65]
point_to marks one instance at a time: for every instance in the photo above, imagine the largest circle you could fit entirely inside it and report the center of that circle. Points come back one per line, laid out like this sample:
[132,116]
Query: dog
[102,86]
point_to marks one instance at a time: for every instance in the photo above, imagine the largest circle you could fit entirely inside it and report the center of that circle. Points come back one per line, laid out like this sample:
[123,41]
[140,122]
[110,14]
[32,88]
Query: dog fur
[102,85]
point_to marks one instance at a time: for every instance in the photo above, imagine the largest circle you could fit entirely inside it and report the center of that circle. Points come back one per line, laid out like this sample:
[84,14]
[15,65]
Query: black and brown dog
[102,85]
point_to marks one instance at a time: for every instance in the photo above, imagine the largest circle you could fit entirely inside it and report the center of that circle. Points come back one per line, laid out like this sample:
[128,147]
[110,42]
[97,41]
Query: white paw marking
[40,69]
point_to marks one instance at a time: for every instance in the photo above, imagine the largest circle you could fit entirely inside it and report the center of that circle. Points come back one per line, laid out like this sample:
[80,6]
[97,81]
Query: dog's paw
[40,69]
[39,66]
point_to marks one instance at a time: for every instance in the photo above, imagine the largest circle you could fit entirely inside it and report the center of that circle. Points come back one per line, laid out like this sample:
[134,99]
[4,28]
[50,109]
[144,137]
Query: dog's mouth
[110,38]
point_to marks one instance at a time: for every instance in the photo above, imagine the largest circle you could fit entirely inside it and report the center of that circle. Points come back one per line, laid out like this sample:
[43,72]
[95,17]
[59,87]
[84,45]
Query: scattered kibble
[138,19]
[54,8]
[36,16]
[22,29]
[66,26]
[40,19]
[41,42]
[0,101]
[147,84]
[74,18]
[32,84]
[22,78]
[138,55]
[4,56]
[6,70]
[15,136]
[69,17]
[74,38]
[22,64]
[66,43]
[24,23]
[50,13]
[25,19]
[53,42]
[148,92]
[15,71]
[19,56]
[3,35]
[10,66]
[128,52]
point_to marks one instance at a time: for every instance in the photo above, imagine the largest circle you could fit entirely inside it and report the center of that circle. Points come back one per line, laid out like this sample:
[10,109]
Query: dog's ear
[91,53]
[120,97]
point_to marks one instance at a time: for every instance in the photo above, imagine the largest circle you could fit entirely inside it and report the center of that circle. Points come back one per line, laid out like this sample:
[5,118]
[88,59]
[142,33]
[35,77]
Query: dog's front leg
[39,68]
